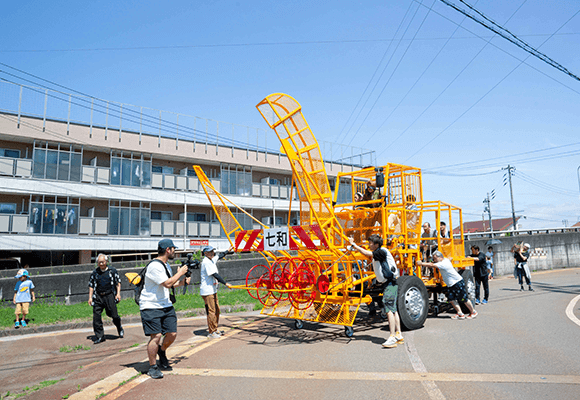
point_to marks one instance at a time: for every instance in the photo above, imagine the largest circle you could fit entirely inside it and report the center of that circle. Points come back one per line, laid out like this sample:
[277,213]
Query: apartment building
[79,176]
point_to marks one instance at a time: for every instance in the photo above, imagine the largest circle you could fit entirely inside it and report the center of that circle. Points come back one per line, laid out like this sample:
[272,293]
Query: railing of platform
[517,232]
[22,100]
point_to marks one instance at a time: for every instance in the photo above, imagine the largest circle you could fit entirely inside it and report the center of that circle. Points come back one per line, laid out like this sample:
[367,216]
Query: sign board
[276,239]
[198,243]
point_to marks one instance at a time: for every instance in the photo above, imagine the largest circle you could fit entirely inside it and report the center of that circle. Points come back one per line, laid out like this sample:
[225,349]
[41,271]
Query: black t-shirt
[479,265]
[519,257]
[104,281]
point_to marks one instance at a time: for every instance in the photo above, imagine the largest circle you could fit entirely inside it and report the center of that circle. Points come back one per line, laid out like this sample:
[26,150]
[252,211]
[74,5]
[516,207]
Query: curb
[129,319]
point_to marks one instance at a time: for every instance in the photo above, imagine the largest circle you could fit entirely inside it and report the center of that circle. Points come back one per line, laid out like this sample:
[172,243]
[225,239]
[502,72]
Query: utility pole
[487,209]
[510,171]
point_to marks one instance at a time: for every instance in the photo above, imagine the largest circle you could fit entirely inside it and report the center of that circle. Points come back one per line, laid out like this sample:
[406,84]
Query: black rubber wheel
[348,331]
[469,282]
[298,324]
[412,302]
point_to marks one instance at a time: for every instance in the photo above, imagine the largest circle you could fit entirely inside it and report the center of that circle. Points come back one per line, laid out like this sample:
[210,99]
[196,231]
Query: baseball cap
[207,248]
[527,245]
[21,273]
[165,244]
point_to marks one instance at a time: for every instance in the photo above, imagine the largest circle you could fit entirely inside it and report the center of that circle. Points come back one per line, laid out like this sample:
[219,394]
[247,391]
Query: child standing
[23,296]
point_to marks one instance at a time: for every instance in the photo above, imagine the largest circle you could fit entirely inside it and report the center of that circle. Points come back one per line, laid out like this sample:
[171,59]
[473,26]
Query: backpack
[390,272]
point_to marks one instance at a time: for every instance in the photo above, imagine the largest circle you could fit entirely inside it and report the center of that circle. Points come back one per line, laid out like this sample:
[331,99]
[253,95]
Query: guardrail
[518,232]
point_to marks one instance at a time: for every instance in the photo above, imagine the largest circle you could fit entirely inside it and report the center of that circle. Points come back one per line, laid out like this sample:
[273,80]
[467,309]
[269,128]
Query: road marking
[379,376]
[430,386]
[570,310]
[104,385]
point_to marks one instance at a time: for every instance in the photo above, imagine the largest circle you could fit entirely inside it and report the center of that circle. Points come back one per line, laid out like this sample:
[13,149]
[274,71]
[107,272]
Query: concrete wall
[547,251]
[70,283]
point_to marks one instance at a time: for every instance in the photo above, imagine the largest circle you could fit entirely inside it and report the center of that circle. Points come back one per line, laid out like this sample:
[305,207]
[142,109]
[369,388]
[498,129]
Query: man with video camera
[156,305]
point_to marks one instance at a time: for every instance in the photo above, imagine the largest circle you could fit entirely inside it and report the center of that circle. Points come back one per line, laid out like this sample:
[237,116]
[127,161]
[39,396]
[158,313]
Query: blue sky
[448,93]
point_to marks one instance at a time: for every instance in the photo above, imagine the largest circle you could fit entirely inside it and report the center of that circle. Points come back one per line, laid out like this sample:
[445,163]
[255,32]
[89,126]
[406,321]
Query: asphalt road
[523,345]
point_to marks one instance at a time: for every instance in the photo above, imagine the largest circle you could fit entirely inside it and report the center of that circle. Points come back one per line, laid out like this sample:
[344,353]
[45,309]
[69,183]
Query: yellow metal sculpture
[309,272]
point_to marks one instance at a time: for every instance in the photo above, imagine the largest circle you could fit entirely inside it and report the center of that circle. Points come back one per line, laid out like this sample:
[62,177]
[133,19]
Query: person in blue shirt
[23,296]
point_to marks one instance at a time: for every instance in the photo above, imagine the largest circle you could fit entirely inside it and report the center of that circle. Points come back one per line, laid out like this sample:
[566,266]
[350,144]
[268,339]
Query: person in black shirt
[480,274]
[104,293]
[521,255]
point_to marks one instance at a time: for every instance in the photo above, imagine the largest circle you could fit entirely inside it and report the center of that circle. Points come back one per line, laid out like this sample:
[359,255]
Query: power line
[506,34]
[392,74]
[257,44]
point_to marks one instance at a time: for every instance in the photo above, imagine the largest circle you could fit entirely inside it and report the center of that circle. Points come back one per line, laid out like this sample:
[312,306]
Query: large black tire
[469,282]
[412,302]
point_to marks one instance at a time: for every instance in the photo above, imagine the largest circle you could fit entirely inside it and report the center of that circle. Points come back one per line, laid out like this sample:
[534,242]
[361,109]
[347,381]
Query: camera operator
[156,305]
[208,288]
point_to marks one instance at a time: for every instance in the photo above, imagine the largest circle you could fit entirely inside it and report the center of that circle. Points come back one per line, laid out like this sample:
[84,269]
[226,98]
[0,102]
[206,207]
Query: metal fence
[23,100]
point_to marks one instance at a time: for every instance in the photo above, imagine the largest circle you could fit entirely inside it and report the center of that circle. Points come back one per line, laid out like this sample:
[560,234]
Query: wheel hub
[414,303]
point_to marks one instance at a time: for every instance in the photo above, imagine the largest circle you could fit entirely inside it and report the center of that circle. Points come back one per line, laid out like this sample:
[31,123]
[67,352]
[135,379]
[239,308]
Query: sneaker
[484,302]
[214,335]
[163,361]
[400,338]
[530,289]
[23,323]
[472,315]
[121,333]
[154,372]
[458,316]
[476,301]
[17,325]
[521,289]
[390,342]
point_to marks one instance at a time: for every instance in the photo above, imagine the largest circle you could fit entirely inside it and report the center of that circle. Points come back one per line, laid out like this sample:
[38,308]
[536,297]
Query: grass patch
[27,390]
[71,349]
[47,310]
[130,379]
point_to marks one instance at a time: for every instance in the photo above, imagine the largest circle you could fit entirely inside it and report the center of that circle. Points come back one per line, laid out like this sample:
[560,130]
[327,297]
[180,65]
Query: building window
[128,169]
[7,208]
[162,215]
[129,218]
[57,162]
[345,194]
[236,180]
[10,153]
[54,215]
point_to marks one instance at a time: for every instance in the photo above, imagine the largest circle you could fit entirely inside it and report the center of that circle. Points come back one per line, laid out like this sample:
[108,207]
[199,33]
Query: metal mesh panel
[225,215]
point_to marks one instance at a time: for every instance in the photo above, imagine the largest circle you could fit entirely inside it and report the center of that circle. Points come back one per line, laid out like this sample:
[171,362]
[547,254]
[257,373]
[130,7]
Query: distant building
[500,224]
[576,225]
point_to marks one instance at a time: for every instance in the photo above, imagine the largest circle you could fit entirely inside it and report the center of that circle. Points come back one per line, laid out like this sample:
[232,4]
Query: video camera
[191,264]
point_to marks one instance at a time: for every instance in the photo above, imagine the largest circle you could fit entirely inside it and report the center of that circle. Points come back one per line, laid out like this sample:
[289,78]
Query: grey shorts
[390,297]
[159,320]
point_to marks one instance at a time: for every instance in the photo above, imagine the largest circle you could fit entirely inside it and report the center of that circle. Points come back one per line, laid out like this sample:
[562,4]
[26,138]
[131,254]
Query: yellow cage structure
[309,272]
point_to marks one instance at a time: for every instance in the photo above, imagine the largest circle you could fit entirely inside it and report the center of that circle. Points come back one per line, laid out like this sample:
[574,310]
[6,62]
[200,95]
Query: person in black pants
[104,293]
[480,274]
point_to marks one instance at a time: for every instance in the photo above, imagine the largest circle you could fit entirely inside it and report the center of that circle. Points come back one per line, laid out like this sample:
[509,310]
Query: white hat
[527,245]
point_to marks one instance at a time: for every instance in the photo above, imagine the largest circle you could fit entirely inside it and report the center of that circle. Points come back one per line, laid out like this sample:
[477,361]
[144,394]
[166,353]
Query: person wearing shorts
[157,313]
[23,296]
[455,286]
[385,270]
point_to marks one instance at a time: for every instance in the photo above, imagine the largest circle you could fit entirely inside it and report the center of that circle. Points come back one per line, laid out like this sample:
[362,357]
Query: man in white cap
[208,288]
[521,255]
[156,305]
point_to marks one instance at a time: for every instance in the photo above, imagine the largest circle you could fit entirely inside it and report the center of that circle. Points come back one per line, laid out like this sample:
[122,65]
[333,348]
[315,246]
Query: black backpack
[139,286]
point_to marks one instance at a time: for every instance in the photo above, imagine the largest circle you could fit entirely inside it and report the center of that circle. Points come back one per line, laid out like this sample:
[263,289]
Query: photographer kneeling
[156,305]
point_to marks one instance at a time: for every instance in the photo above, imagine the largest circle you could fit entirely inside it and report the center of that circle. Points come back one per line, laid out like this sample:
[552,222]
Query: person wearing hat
[521,255]
[104,293]
[208,288]
[156,305]
[23,296]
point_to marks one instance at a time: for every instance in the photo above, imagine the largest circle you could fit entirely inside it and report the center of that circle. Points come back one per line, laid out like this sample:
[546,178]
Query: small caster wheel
[298,324]
[348,331]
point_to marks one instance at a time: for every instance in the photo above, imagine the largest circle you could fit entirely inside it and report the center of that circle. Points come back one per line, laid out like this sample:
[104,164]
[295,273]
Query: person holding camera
[156,305]
[208,288]
[521,255]
[104,293]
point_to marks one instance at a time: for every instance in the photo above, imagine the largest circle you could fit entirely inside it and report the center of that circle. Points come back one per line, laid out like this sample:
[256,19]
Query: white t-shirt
[448,273]
[208,284]
[377,266]
[154,294]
